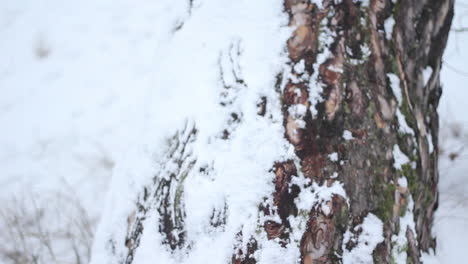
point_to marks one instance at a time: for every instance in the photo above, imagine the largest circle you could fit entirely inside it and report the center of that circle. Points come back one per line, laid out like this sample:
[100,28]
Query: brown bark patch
[323,232]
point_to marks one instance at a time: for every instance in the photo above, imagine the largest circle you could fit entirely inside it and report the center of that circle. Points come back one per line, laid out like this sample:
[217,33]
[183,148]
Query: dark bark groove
[164,195]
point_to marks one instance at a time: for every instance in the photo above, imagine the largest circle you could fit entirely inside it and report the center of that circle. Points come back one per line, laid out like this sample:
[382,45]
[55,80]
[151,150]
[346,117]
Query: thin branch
[459,30]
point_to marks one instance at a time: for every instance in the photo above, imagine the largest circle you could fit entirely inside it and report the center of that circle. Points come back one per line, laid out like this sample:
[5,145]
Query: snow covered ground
[77,83]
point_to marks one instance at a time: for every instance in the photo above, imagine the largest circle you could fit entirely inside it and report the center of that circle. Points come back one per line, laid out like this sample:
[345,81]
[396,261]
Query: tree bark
[359,100]
[361,52]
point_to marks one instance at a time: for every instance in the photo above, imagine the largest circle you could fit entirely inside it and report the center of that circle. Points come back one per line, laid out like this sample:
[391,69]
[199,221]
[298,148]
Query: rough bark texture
[345,119]
[357,97]
[164,195]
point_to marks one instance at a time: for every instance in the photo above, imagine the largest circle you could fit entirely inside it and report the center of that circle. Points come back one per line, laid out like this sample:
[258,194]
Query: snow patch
[403,182]
[311,195]
[406,222]
[335,68]
[299,67]
[333,156]
[364,3]
[347,135]
[297,110]
[370,236]
[395,85]
[273,253]
[318,194]
[326,38]
[389,23]
[403,126]
[429,142]
[400,157]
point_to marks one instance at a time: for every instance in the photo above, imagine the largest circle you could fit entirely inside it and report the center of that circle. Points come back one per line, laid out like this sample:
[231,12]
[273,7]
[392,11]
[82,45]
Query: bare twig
[459,30]
[48,228]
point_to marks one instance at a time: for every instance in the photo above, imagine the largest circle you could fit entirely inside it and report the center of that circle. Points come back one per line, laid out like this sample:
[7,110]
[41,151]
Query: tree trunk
[378,66]
[358,98]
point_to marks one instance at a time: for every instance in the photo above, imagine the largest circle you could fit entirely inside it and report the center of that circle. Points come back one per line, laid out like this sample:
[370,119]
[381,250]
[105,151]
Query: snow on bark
[365,238]
[406,233]
[292,152]
[165,195]
[223,81]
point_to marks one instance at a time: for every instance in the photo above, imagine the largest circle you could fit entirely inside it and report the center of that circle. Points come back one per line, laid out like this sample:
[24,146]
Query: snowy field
[78,82]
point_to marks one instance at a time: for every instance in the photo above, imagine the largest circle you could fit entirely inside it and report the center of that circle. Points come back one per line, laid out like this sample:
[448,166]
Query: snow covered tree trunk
[332,158]
[379,66]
